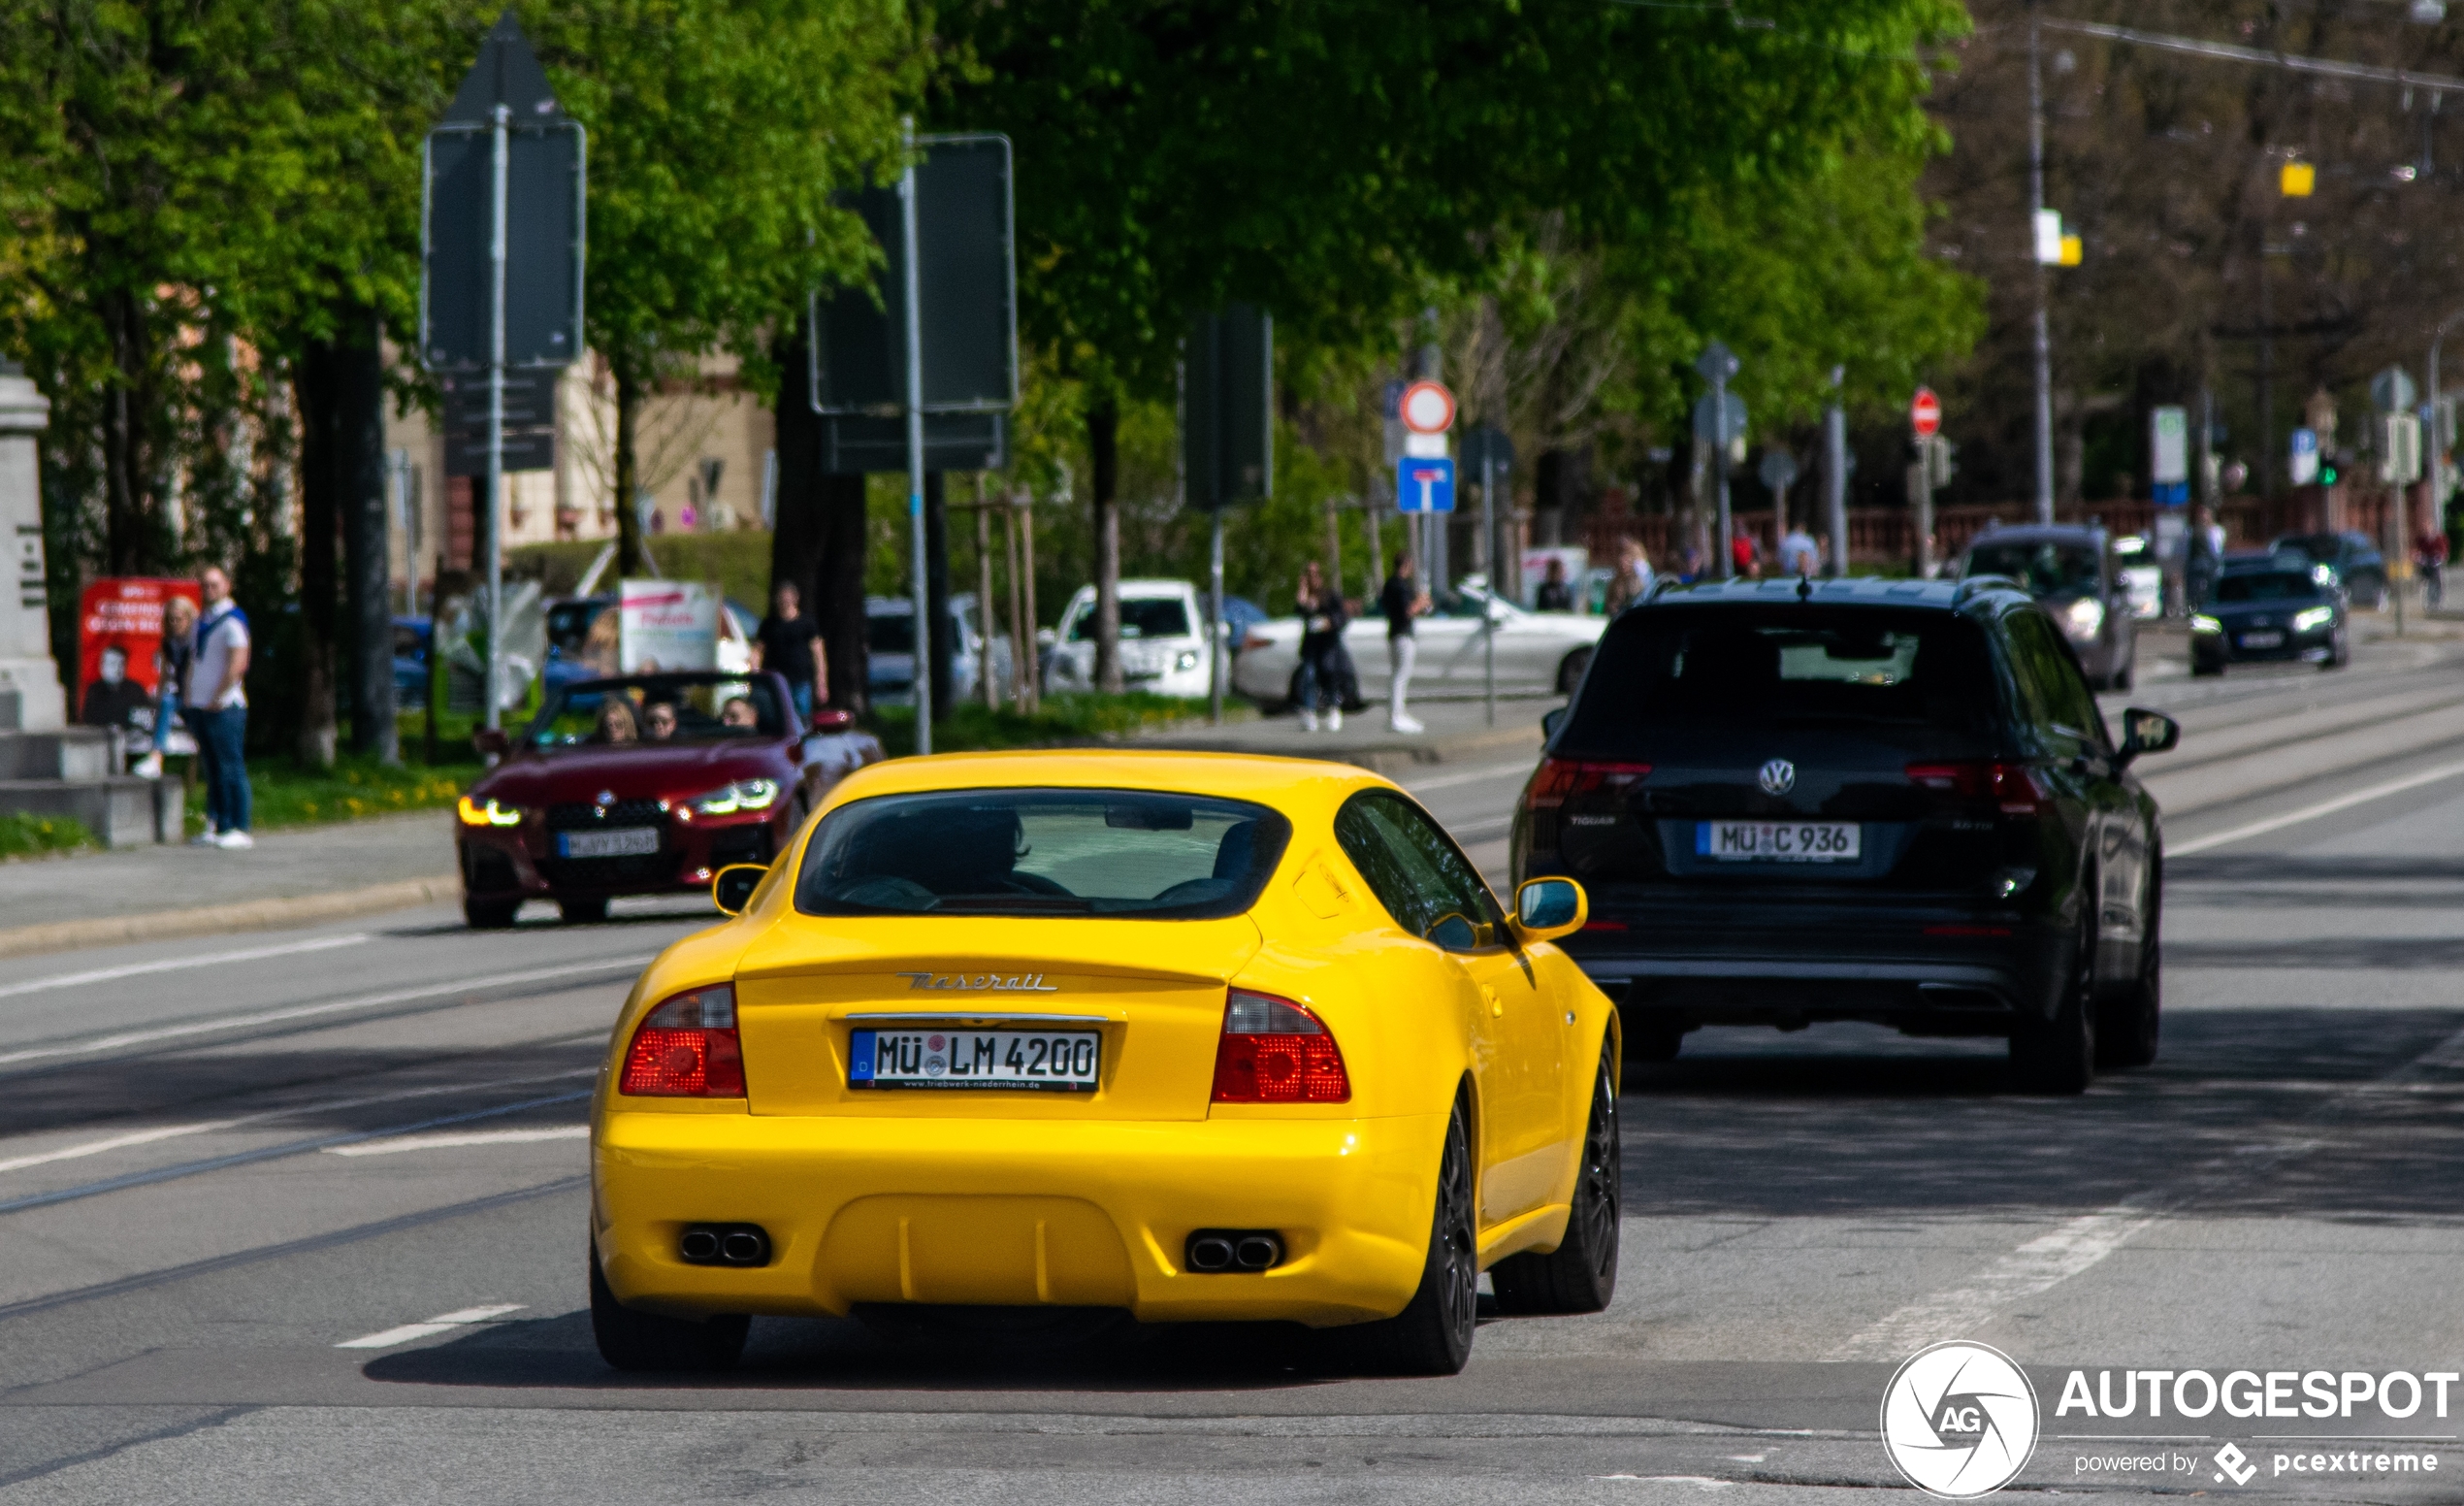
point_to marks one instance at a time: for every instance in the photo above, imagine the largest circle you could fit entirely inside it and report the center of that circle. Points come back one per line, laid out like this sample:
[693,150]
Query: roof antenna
[1805,588]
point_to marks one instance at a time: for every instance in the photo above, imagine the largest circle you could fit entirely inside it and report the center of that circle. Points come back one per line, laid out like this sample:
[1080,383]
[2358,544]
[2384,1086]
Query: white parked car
[1544,651]
[1163,644]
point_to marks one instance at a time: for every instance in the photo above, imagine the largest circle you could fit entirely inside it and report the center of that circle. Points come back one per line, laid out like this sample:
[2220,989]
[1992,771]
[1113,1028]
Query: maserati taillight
[2014,787]
[687,1048]
[1275,1051]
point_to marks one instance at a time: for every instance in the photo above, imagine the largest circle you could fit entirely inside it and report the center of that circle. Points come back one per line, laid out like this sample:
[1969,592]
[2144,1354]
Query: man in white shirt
[1797,553]
[216,708]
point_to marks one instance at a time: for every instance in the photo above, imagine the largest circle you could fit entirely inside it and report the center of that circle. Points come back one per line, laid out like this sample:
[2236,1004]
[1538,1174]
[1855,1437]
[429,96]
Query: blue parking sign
[1424,485]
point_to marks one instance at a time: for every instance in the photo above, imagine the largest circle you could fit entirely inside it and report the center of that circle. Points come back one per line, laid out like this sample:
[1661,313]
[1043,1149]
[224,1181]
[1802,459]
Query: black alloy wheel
[489,914]
[1433,1334]
[582,912]
[2059,1055]
[631,1340]
[2132,1016]
[1580,1275]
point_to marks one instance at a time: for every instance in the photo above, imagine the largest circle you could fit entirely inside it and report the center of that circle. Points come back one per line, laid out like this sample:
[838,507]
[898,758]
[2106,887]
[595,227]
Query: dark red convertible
[644,784]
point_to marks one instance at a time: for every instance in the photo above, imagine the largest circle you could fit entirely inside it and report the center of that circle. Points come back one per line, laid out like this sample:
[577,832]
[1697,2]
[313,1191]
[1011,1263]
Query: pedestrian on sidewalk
[2429,552]
[1555,595]
[792,644]
[1798,554]
[1402,599]
[217,712]
[1631,582]
[1320,679]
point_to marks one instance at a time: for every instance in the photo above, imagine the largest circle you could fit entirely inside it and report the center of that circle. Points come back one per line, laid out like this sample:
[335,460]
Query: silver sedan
[1543,651]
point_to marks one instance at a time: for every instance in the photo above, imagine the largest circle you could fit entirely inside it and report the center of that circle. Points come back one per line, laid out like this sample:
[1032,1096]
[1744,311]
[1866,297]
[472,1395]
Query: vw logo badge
[1777,777]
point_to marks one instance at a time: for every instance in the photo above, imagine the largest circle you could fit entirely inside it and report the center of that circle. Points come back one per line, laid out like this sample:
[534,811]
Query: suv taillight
[687,1048]
[1274,1051]
[1559,779]
[2014,787]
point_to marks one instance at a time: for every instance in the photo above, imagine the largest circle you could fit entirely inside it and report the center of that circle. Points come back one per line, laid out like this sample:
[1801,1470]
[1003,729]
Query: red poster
[119,639]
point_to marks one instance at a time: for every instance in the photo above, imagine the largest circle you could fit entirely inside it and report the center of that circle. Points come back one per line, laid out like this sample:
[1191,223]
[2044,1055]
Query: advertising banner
[668,625]
[120,651]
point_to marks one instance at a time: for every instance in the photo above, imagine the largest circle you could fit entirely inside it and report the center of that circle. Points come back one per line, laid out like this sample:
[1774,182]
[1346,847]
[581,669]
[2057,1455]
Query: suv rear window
[2042,566]
[1782,666]
[1123,854]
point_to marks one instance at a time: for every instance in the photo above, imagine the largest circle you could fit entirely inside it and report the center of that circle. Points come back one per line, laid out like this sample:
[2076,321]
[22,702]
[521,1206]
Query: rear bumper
[1005,1212]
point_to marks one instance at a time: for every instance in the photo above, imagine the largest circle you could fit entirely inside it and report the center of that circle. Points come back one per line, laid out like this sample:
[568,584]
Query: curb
[214,919]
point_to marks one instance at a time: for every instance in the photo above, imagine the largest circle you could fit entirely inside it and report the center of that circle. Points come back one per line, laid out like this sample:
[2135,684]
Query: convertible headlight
[743,795]
[488,813]
[2085,617]
[1187,659]
[2203,623]
[2314,619]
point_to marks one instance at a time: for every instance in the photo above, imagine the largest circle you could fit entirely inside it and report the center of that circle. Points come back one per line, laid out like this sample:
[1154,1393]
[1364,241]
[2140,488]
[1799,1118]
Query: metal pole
[1836,473]
[914,281]
[984,593]
[1022,635]
[2044,336]
[1488,545]
[1034,633]
[497,145]
[2266,382]
[1924,507]
[1220,646]
[1720,470]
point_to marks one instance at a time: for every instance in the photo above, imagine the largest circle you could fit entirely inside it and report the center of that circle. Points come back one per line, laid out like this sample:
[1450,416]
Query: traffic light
[2326,473]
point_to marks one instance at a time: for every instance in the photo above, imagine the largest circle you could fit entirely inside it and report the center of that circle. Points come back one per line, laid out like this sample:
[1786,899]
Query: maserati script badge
[985,982]
[1777,777]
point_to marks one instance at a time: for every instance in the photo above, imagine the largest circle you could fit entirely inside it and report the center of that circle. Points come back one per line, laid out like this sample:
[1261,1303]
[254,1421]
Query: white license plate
[2262,639]
[1779,841]
[626,841]
[1013,1060]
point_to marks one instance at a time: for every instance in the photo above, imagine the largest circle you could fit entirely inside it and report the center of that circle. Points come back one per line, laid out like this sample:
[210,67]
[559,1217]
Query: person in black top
[1555,595]
[791,642]
[1401,600]
[1321,670]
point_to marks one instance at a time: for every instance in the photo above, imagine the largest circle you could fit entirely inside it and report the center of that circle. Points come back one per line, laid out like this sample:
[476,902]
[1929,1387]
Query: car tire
[489,914]
[2132,1016]
[1580,1275]
[631,1340]
[1433,1334]
[2339,653]
[2200,670]
[1569,670]
[2059,1055]
[582,912]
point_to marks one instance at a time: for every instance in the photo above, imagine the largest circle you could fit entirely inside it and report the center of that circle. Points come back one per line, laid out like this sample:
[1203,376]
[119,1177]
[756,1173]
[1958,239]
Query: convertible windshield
[2272,587]
[658,711]
[2043,567]
[1117,853]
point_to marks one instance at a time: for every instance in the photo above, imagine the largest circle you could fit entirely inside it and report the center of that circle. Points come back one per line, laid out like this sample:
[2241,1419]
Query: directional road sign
[2391,391]
[1925,413]
[1779,470]
[1718,363]
[1424,487]
[1707,427]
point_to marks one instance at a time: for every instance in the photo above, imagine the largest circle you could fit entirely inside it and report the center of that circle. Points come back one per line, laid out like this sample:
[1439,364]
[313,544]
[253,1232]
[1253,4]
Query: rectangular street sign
[543,254]
[2169,445]
[1424,487]
[525,450]
[529,402]
[1227,408]
[953,441]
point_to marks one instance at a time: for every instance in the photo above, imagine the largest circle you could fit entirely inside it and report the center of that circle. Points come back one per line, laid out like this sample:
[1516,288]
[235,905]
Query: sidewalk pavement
[290,878]
[1456,729]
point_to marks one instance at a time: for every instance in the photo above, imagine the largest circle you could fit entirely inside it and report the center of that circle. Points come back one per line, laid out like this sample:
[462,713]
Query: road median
[63,936]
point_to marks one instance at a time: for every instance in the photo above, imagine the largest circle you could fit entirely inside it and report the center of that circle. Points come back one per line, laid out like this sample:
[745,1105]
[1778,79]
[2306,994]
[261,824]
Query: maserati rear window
[1133,854]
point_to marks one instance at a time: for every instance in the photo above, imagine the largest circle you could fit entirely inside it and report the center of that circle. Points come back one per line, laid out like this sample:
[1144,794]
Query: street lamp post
[2044,336]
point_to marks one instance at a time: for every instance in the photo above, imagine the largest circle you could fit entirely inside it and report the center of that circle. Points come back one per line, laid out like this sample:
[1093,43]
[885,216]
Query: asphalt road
[299,1216]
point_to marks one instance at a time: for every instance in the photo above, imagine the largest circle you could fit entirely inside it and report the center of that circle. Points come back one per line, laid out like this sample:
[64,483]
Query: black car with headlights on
[2074,573]
[1893,802]
[2282,612]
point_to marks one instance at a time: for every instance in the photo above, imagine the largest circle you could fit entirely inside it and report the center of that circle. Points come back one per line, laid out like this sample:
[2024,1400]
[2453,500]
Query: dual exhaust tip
[724,1244]
[1220,1251]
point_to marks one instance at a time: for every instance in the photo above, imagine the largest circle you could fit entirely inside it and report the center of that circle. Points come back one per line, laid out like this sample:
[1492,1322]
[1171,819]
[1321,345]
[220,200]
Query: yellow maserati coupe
[1193,1037]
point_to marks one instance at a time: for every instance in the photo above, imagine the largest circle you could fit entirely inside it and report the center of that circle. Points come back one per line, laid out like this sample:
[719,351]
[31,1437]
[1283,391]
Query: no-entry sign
[1925,413]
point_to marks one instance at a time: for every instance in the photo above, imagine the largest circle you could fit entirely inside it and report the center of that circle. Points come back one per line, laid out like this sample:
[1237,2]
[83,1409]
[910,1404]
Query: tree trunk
[799,531]
[936,508]
[127,537]
[1103,446]
[629,546]
[359,466]
[839,604]
[317,381]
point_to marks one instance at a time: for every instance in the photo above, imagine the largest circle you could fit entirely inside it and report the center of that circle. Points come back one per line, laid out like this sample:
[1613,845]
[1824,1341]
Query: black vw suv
[1892,800]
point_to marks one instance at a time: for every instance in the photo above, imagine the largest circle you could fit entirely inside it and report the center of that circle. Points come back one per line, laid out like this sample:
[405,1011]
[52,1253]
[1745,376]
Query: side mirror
[2146,732]
[1550,721]
[1547,908]
[732,889]
[491,742]
[827,720]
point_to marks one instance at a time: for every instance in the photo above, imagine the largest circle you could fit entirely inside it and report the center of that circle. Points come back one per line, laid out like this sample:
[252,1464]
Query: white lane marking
[179,964]
[232,1022]
[207,1127]
[2323,808]
[440,1324]
[1468,776]
[432,1142]
[2047,1261]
